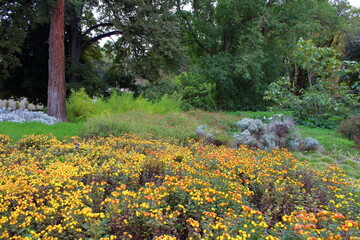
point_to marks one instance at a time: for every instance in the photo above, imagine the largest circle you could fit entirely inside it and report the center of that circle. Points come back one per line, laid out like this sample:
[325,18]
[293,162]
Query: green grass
[60,130]
[337,150]
[175,125]
[259,114]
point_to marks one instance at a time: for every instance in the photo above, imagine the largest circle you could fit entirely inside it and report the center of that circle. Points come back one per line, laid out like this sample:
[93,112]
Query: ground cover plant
[129,187]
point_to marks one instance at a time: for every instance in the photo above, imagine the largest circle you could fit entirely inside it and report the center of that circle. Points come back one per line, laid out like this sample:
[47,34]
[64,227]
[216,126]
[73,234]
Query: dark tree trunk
[56,83]
[75,49]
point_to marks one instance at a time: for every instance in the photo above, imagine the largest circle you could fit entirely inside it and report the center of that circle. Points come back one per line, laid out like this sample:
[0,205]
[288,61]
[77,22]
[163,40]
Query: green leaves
[326,100]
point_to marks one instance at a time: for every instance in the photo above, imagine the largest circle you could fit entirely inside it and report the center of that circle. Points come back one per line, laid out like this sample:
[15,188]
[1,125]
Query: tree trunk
[56,83]
[75,50]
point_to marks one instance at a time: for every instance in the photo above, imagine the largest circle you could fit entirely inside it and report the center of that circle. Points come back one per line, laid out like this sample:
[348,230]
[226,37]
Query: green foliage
[350,128]
[326,100]
[30,78]
[240,47]
[81,107]
[172,125]
[194,89]
[197,92]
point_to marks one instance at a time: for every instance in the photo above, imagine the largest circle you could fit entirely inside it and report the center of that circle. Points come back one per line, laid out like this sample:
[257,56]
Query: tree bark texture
[56,84]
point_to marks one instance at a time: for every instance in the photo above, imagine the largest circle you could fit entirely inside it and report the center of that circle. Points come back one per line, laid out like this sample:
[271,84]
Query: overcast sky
[355,3]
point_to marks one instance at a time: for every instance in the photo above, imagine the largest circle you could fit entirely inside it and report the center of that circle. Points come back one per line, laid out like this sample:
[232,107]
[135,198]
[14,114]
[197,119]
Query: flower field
[129,187]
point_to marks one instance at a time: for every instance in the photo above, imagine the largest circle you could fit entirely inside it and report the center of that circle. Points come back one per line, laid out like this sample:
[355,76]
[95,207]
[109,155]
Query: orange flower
[338,216]
[300,232]
[345,228]
[298,226]
[351,223]
[310,226]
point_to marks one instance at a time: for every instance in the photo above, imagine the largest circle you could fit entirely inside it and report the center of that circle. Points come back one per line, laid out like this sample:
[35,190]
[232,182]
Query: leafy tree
[242,46]
[14,17]
[327,99]
[30,77]
[149,46]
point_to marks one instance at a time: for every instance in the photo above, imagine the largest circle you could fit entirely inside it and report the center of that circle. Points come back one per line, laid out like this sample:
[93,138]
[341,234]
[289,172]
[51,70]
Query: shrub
[277,134]
[21,116]
[350,128]
[326,100]
[80,106]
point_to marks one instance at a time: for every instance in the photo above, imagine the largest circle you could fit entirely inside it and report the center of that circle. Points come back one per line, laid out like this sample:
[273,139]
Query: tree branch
[98,37]
[97,26]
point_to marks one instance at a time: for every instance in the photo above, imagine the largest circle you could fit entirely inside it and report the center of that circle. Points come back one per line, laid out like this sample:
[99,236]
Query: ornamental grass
[129,187]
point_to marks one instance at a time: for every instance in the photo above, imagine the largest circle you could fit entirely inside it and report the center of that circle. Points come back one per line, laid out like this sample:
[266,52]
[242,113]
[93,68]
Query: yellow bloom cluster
[133,188]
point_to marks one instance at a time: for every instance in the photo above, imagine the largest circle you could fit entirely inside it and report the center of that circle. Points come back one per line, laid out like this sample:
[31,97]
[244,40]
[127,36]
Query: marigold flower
[310,226]
[338,216]
[298,226]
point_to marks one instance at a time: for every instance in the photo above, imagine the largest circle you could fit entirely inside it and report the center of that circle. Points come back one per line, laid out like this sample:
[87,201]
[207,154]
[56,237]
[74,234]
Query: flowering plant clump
[128,187]
[21,116]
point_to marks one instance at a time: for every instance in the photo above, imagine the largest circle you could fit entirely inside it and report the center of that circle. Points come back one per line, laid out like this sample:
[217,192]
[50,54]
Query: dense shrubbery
[350,128]
[80,106]
[326,100]
[130,187]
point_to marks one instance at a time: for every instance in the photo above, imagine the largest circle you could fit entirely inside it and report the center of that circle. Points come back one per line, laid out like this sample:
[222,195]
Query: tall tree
[14,18]
[56,83]
[84,30]
[243,45]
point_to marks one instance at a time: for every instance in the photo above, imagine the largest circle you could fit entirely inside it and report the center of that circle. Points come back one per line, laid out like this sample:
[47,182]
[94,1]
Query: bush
[22,116]
[80,106]
[350,128]
[326,100]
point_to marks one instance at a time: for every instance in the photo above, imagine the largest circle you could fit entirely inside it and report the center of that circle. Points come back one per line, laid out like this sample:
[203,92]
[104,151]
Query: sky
[355,3]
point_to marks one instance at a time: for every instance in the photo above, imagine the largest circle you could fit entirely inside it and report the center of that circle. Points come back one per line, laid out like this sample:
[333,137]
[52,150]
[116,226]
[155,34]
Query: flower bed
[133,188]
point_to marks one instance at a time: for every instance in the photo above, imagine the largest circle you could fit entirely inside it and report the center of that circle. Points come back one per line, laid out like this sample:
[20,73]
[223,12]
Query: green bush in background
[80,106]
[327,99]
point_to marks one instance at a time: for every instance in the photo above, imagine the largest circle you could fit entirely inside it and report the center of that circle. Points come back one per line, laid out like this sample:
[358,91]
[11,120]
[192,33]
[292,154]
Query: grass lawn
[17,130]
[338,150]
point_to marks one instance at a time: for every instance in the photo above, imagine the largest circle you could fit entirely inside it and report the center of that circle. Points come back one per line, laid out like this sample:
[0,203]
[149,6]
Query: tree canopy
[231,49]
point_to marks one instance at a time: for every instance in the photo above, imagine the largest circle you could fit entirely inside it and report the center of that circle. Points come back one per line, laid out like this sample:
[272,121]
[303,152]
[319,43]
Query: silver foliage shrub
[21,116]
[280,132]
